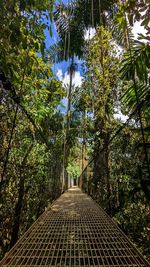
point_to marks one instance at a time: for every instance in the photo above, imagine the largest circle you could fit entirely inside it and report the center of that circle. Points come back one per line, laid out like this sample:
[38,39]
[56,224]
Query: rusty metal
[74,231]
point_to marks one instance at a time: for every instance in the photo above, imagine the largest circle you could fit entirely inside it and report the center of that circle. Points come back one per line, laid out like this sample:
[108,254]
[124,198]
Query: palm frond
[55,53]
[136,62]
[70,30]
[63,17]
[117,33]
[130,100]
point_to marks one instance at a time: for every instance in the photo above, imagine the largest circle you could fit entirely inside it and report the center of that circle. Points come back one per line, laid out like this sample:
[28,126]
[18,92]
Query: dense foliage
[31,126]
[41,149]
[118,176]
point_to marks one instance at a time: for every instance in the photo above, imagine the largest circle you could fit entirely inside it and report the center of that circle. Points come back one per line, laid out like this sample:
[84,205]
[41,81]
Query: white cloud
[120,116]
[137,28]
[66,79]
[59,74]
[77,79]
[89,33]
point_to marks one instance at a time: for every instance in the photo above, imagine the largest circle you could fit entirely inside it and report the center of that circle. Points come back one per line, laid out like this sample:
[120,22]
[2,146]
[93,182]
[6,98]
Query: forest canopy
[43,150]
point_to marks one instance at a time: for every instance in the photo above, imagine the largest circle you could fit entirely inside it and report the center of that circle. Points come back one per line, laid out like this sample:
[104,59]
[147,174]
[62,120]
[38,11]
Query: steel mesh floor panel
[74,231]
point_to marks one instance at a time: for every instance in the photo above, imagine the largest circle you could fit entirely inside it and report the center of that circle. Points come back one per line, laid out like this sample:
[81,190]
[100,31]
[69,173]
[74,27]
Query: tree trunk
[83,148]
[107,172]
[67,142]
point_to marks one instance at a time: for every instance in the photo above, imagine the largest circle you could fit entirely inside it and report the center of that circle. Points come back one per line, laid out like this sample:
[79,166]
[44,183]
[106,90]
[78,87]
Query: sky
[61,69]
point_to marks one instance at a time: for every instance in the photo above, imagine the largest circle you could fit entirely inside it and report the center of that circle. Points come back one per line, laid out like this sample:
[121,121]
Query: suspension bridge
[74,231]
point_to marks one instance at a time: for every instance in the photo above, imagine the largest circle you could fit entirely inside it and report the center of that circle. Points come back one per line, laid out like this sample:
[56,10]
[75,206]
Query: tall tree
[69,46]
[103,70]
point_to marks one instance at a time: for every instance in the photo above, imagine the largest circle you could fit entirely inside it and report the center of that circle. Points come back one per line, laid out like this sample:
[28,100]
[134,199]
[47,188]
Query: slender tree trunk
[107,172]
[83,147]
[117,195]
[63,167]
[97,172]
[81,178]
[69,104]
[67,142]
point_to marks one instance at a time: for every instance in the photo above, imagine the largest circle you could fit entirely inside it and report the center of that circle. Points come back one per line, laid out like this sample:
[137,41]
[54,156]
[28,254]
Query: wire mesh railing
[74,231]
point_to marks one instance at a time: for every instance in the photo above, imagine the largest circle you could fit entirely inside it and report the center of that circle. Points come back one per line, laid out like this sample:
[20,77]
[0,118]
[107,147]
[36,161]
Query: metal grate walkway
[75,231]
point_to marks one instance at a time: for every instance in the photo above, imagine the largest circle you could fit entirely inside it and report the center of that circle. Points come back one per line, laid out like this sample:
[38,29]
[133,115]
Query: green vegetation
[40,147]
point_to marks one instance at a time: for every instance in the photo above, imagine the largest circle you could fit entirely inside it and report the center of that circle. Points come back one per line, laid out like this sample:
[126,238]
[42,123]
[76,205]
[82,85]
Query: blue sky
[63,66]
[51,40]
[61,69]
